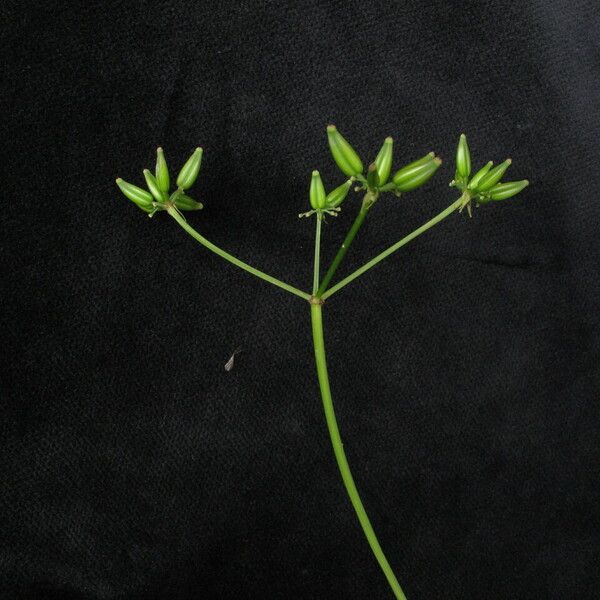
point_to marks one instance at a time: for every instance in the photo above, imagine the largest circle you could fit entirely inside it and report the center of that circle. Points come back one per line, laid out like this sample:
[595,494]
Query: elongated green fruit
[162,171]
[136,194]
[494,176]
[343,153]
[384,160]
[413,166]
[372,176]
[479,176]
[405,178]
[317,191]
[189,172]
[184,202]
[337,196]
[463,158]
[419,177]
[153,186]
[502,191]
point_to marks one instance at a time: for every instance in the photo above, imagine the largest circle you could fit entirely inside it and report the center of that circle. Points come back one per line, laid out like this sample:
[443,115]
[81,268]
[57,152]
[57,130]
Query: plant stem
[411,236]
[317,254]
[232,259]
[339,257]
[338,448]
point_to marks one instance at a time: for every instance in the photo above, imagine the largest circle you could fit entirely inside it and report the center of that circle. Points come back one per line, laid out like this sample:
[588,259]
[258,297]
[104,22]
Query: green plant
[482,188]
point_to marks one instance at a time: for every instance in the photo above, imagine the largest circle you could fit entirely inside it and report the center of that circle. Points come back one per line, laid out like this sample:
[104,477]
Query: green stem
[232,259]
[411,236]
[317,254]
[338,449]
[339,257]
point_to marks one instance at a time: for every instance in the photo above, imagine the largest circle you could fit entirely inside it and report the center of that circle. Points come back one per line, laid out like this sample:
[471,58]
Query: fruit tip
[389,140]
[315,173]
[331,128]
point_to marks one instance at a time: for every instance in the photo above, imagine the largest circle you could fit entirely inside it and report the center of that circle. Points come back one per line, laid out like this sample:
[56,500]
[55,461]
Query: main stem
[232,259]
[338,449]
[411,236]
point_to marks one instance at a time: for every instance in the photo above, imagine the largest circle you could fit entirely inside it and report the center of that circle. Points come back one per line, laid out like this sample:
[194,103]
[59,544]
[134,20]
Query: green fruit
[416,173]
[372,177]
[463,159]
[343,153]
[494,176]
[479,176]
[153,186]
[189,172]
[502,191]
[162,171]
[317,191]
[141,197]
[384,160]
[337,196]
[184,202]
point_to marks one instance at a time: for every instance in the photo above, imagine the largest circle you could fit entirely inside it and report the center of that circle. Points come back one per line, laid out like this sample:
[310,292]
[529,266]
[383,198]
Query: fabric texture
[465,369]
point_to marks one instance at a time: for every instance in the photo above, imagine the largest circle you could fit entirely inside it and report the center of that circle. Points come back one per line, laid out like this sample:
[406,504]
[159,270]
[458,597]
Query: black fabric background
[465,369]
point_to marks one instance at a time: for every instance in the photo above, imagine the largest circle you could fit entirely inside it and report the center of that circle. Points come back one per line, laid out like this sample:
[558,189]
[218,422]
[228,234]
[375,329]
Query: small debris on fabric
[229,363]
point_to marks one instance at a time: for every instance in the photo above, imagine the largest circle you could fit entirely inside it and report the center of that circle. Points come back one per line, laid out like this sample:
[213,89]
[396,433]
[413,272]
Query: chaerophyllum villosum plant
[482,188]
